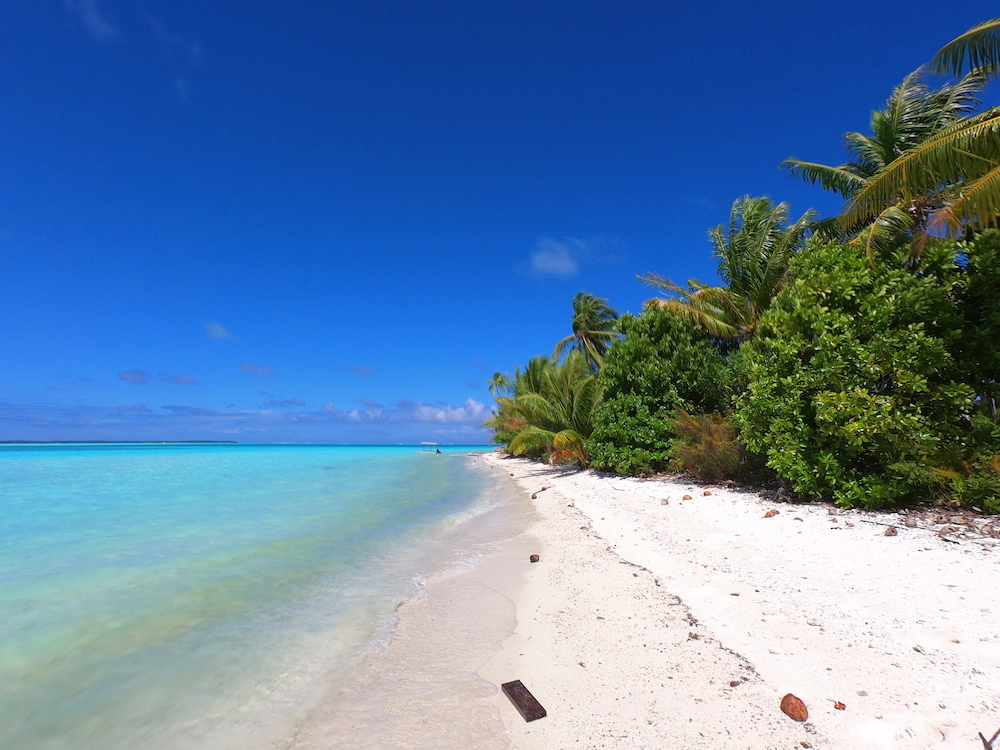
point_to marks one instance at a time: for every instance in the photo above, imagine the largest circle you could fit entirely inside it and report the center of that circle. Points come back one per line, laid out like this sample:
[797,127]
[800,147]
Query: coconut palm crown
[754,251]
[883,184]
[595,328]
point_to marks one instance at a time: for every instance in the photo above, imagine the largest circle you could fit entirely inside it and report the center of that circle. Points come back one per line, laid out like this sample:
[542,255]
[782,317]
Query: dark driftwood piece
[523,701]
[988,743]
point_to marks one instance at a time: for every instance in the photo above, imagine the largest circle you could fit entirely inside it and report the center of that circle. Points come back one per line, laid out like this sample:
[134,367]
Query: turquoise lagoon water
[193,596]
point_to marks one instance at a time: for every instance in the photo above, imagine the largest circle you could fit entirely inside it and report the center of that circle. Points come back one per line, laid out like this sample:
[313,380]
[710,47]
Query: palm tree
[754,251]
[886,191]
[551,409]
[595,327]
[500,384]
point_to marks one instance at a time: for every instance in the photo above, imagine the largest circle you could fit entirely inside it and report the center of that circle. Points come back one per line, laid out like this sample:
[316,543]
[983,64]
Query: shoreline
[683,625]
[421,687]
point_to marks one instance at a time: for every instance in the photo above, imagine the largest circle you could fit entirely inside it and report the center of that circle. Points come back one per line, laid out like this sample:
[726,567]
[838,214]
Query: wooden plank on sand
[524,701]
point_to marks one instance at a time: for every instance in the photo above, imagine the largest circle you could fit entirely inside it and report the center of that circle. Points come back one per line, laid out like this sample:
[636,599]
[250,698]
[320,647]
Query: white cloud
[182,87]
[564,257]
[217,331]
[178,378]
[94,21]
[551,257]
[362,370]
[139,377]
[470,411]
[255,369]
[191,49]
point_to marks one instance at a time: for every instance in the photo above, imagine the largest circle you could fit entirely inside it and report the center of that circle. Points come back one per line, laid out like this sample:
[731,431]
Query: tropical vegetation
[854,357]
[753,251]
[662,364]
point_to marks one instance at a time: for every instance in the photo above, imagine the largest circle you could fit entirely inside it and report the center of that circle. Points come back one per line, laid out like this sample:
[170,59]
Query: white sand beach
[681,625]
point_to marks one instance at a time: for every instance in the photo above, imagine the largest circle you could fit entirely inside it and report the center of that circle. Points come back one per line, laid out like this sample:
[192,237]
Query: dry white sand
[639,616]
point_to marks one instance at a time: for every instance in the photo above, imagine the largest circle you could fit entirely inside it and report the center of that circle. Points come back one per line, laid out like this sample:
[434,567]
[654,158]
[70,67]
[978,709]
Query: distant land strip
[30,442]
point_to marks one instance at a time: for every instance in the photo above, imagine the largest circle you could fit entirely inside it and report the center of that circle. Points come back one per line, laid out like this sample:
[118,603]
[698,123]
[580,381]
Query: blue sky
[331,222]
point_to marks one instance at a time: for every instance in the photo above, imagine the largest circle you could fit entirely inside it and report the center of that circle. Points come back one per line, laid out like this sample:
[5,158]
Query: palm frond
[886,231]
[532,439]
[975,203]
[979,47]
[711,321]
[953,102]
[840,179]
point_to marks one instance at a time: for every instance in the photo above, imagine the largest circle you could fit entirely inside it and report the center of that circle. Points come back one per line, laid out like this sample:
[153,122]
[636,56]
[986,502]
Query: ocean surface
[203,596]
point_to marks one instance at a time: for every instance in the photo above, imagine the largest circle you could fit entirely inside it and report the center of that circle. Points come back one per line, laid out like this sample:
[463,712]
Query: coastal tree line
[852,357]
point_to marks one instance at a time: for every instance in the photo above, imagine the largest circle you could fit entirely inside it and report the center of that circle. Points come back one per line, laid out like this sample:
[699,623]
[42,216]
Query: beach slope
[682,625]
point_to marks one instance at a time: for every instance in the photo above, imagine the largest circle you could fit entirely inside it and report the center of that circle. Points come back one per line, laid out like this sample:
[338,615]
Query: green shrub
[857,386]
[662,363]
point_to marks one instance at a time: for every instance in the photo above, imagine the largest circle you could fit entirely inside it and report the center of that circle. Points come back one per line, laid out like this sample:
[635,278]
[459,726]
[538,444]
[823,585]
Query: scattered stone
[534,558]
[794,708]
[840,706]
[706,493]
[862,693]
[734,683]
[919,649]
[686,497]
[664,501]
[771,514]
[891,531]
[911,522]
[833,520]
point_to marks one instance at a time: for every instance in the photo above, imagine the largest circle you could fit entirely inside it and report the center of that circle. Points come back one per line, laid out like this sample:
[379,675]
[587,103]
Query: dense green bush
[859,385]
[662,363]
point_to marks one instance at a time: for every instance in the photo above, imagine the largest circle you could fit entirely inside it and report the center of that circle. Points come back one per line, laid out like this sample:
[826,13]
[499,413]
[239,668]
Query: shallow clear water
[199,596]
